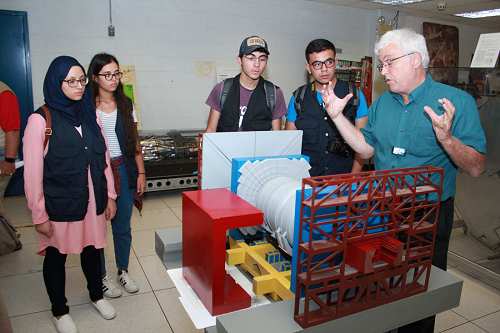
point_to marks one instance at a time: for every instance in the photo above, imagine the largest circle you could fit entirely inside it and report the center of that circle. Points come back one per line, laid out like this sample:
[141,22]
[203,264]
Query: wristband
[10,159]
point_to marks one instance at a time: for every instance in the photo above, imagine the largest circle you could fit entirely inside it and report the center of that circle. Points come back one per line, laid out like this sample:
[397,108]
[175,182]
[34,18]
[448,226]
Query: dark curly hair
[123,103]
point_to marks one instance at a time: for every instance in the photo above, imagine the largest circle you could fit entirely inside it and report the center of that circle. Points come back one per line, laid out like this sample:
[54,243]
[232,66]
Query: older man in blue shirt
[417,122]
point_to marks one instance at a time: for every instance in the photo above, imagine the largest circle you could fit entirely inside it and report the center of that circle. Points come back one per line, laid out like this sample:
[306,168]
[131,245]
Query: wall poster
[442,44]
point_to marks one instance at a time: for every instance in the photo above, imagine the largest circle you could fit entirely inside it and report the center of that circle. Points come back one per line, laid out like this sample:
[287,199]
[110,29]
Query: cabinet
[357,72]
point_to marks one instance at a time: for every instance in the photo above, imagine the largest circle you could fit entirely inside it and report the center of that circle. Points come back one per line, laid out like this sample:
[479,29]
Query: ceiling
[429,9]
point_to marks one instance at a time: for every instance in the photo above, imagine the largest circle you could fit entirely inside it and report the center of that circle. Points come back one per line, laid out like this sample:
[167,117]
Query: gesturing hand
[442,124]
[333,105]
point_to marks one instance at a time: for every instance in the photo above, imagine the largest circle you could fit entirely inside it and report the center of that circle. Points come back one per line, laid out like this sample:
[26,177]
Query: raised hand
[333,105]
[442,124]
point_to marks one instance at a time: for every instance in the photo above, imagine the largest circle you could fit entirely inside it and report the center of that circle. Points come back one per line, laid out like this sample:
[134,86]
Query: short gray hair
[407,40]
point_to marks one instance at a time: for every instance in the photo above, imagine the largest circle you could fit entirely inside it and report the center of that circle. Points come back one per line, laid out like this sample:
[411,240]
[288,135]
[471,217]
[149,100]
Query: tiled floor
[156,307]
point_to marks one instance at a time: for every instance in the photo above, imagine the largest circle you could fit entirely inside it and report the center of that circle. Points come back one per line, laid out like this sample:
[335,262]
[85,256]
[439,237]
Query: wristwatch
[10,159]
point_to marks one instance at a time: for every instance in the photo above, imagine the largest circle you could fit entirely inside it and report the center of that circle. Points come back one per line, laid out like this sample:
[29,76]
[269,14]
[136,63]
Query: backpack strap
[226,86]
[354,91]
[48,125]
[298,98]
[270,91]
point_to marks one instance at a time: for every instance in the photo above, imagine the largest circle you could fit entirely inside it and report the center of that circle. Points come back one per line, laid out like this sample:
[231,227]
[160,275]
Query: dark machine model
[170,159]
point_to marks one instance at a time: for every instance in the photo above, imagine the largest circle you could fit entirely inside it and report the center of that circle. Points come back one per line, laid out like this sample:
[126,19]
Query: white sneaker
[105,308]
[65,324]
[110,289]
[127,282]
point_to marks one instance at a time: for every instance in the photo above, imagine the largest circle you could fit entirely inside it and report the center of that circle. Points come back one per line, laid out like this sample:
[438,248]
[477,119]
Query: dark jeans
[54,275]
[122,233]
[440,259]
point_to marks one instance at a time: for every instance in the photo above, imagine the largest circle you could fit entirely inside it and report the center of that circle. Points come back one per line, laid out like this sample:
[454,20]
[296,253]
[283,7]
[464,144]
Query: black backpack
[269,90]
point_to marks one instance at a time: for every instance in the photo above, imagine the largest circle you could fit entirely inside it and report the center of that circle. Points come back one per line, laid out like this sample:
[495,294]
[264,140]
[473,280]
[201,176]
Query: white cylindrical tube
[273,190]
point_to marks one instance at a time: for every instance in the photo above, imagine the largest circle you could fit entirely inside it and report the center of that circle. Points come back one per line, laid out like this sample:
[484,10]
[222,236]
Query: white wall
[177,46]
[173,43]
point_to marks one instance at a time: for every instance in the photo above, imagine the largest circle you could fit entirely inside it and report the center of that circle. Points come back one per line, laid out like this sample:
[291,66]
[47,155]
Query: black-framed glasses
[329,63]
[110,76]
[73,83]
[389,62]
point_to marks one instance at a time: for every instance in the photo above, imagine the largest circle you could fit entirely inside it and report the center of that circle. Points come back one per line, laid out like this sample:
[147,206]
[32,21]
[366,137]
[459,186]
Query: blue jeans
[122,234]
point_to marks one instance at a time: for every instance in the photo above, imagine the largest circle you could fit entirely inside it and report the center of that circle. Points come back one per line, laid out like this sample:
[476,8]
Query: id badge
[398,151]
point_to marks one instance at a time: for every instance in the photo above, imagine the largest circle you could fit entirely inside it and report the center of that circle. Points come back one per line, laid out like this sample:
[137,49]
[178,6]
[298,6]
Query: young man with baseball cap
[247,102]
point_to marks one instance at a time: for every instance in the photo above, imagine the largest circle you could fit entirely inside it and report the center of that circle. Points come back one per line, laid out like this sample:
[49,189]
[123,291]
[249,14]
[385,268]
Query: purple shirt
[213,101]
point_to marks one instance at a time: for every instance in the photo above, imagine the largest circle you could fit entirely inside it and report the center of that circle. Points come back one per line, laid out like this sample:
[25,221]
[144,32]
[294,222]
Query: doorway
[15,71]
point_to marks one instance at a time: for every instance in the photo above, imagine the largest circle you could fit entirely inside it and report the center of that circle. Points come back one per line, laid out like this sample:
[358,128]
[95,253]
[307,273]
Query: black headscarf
[53,94]
[75,112]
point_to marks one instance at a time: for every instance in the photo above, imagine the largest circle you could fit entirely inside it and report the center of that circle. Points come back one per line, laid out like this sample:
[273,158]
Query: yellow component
[232,242]
[235,256]
[267,280]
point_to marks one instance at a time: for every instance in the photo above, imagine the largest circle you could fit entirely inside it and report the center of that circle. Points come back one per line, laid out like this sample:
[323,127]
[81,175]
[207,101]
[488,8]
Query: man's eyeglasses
[253,58]
[389,62]
[329,63]
[110,76]
[73,83]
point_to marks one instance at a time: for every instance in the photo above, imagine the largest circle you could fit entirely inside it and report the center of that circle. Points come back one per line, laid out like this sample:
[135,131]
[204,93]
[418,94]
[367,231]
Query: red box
[206,216]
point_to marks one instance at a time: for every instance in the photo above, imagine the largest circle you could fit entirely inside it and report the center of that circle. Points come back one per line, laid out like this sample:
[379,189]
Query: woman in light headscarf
[69,186]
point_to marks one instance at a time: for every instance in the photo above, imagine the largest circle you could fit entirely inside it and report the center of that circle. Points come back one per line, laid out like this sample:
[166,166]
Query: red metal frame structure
[358,265]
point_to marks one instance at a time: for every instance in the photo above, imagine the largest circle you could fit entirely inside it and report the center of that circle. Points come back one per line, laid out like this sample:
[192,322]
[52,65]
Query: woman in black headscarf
[68,185]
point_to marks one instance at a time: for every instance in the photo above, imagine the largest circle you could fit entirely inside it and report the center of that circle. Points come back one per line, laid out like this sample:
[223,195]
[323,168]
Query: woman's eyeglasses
[110,76]
[73,83]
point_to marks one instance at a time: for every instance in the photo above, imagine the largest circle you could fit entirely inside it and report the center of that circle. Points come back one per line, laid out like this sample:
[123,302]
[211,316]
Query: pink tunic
[67,237]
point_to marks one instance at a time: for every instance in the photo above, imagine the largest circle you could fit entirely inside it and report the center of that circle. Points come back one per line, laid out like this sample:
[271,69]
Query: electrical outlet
[111,30]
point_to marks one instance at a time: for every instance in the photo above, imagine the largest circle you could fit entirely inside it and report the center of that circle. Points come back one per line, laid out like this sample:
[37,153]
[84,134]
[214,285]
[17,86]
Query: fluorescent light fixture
[397,2]
[480,14]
